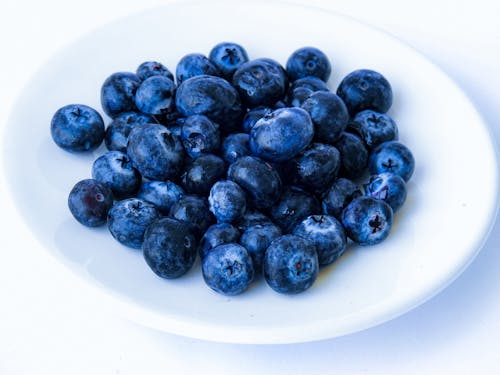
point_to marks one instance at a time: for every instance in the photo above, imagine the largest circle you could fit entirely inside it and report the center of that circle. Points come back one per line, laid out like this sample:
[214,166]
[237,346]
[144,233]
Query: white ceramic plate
[451,199]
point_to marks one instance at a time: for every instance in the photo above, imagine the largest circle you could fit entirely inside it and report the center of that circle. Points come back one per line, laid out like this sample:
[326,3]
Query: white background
[53,323]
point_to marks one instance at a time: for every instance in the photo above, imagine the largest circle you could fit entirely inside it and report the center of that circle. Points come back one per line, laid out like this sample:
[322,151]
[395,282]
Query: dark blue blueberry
[217,234]
[163,194]
[389,187]
[115,170]
[227,57]
[392,157]
[365,89]
[227,201]
[260,82]
[367,221]
[153,68]
[353,155]
[235,146]
[256,239]
[77,127]
[327,234]
[258,178]
[294,206]
[200,135]
[308,61]
[155,95]
[193,210]
[118,93]
[374,127]
[169,247]
[254,115]
[117,132]
[339,195]
[252,218]
[282,134]
[290,264]
[128,220]
[194,64]
[202,173]
[89,202]
[302,89]
[328,114]
[155,152]
[228,269]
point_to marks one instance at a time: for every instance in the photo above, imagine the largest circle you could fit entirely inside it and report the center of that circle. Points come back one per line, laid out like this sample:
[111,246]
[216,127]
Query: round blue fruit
[153,68]
[254,115]
[251,218]
[301,89]
[155,95]
[163,194]
[389,187]
[392,157]
[194,64]
[353,155]
[308,61]
[89,202]
[227,57]
[118,93]
[204,171]
[193,210]
[215,235]
[340,193]
[256,239]
[235,146]
[227,201]
[116,137]
[374,127]
[200,135]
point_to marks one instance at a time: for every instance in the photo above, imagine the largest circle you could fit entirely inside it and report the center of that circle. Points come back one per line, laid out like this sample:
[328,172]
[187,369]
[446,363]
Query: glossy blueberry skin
[353,155]
[115,170]
[227,57]
[338,196]
[294,206]
[117,132]
[169,247]
[308,61]
[118,93]
[302,88]
[392,157]
[155,152]
[153,68]
[77,128]
[227,201]
[200,135]
[163,194]
[128,220]
[215,235]
[258,178]
[250,219]
[194,64]
[256,239]
[282,134]
[155,95]
[327,234]
[193,210]
[365,89]
[235,146]
[388,187]
[254,115]
[228,269]
[367,221]
[328,114]
[260,82]
[204,171]
[290,264]
[89,202]
[210,96]
[374,128]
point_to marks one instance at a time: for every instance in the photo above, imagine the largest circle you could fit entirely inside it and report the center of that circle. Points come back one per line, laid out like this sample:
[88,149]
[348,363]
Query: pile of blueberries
[257,168]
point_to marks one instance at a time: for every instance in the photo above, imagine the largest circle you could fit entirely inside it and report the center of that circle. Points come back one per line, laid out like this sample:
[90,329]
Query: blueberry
[128,220]
[308,61]
[235,146]
[118,93]
[252,218]
[115,170]
[194,64]
[256,239]
[117,132]
[328,114]
[217,234]
[282,134]
[290,264]
[153,68]
[302,89]
[77,127]
[155,151]
[227,201]
[392,157]
[374,127]
[163,194]
[258,178]
[202,173]
[389,187]
[367,221]
[260,82]
[227,57]
[200,135]
[89,202]
[353,155]
[193,210]
[339,195]
[327,234]
[254,115]
[365,89]
[228,269]
[169,247]
[155,95]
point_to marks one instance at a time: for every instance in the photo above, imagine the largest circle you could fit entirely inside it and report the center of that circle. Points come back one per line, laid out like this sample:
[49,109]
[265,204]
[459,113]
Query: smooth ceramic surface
[451,201]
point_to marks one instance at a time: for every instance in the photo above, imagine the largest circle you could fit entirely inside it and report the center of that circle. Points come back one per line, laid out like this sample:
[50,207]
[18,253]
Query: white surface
[49,319]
